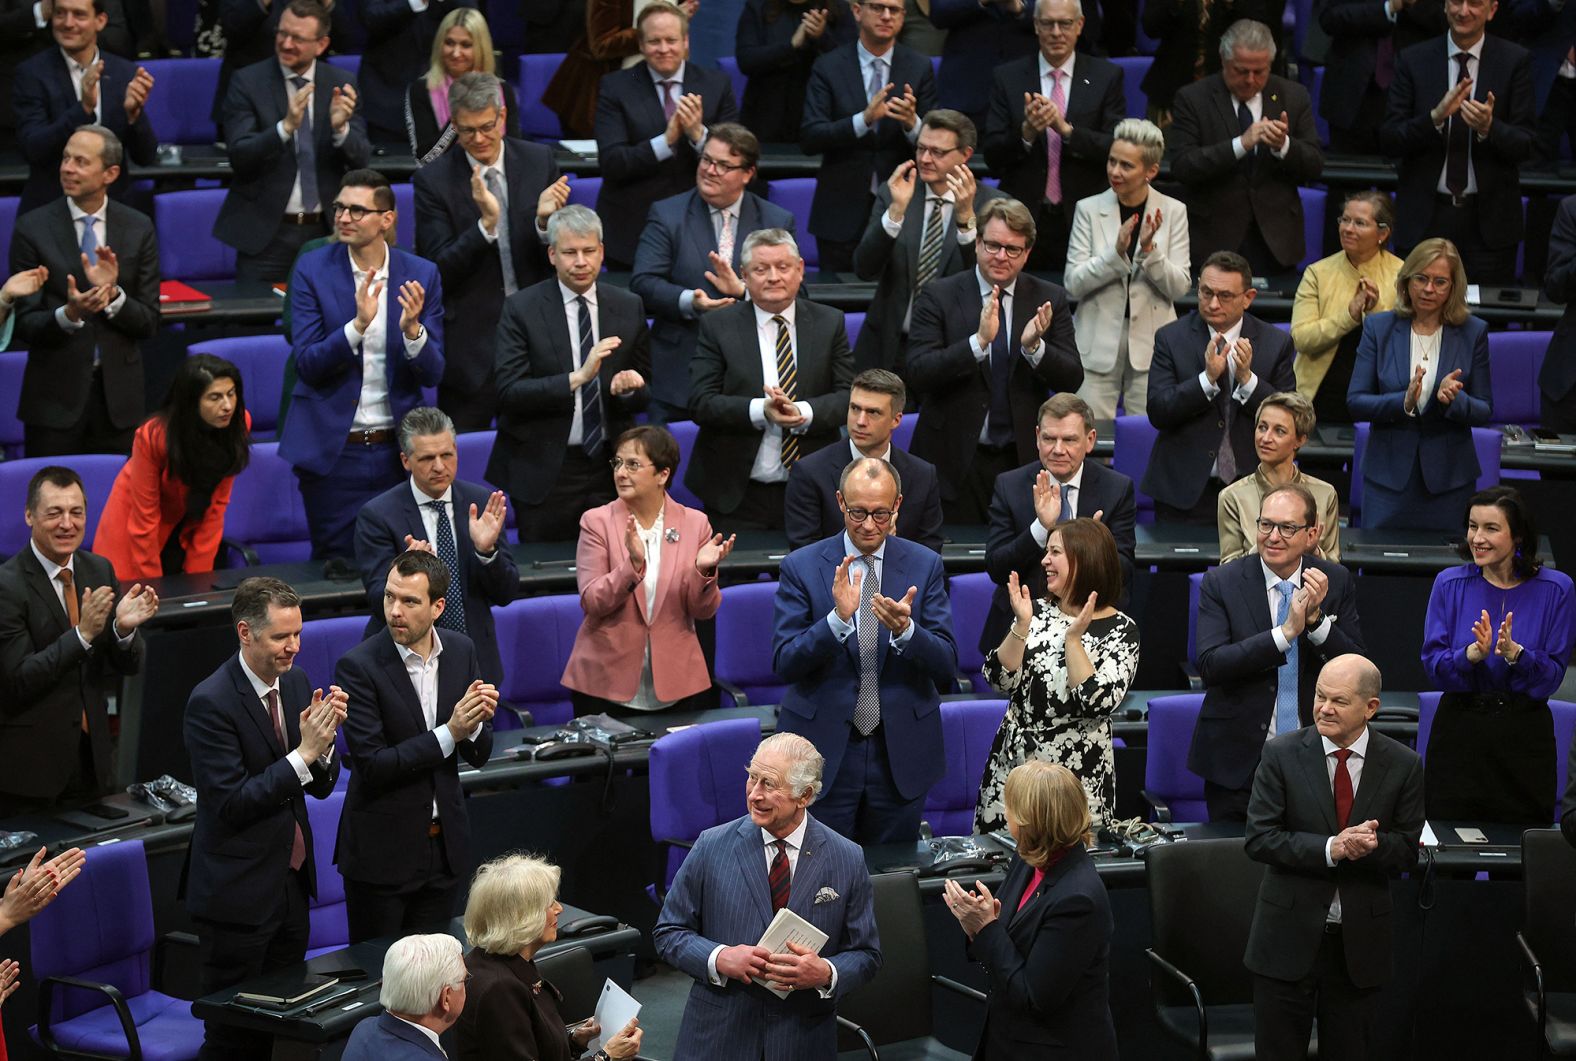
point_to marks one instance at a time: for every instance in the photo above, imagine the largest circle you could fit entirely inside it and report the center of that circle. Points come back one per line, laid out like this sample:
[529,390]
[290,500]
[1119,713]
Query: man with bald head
[1336,811]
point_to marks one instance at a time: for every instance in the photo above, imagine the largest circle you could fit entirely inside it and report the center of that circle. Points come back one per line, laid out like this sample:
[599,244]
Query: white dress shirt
[768,467]
[76,70]
[423,675]
[262,689]
[1256,108]
[659,143]
[1042,533]
[1452,74]
[982,353]
[1354,769]
[1316,634]
[645,698]
[572,315]
[293,205]
[1425,354]
[52,572]
[373,411]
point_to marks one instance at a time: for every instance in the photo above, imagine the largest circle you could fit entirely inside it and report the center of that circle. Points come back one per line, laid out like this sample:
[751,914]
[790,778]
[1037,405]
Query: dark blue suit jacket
[1190,423]
[380,536]
[981,39]
[1558,374]
[328,371]
[1240,664]
[810,505]
[396,768]
[249,798]
[1011,546]
[48,111]
[1049,966]
[387,1038]
[1440,436]
[264,166]
[823,673]
[671,260]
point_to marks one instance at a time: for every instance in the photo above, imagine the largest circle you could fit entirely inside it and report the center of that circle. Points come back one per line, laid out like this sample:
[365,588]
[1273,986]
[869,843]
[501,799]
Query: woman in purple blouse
[1495,643]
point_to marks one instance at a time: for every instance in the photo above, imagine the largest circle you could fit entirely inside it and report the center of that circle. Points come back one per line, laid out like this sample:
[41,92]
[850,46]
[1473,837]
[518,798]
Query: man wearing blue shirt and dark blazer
[651,121]
[368,337]
[861,115]
[863,635]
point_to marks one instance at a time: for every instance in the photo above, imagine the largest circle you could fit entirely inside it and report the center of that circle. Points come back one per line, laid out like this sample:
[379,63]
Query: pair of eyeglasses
[882,516]
[719,165]
[1208,294]
[633,465]
[1430,282]
[1066,25]
[1268,527]
[925,151]
[467,132]
[355,213]
[1011,251]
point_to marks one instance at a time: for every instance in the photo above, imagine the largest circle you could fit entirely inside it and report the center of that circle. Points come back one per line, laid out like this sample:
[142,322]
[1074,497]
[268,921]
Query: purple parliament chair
[697,781]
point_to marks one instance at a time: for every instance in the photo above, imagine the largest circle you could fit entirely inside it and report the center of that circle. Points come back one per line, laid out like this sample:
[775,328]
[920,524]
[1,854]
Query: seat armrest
[249,557]
[1198,998]
[1535,968]
[46,998]
[729,689]
[864,1037]
[1195,683]
[962,989]
[1161,808]
[161,945]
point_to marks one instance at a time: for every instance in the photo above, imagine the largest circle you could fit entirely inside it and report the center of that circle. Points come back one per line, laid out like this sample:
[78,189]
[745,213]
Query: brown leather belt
[434,831]
[371,438]
[301,217]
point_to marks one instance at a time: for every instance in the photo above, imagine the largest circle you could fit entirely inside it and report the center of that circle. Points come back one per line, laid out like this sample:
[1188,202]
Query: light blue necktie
[1286,679]
[90,252]
[1067,503]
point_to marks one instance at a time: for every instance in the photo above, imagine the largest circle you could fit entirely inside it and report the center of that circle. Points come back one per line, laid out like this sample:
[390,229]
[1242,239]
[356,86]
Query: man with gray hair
[423,995]
[461,522]
[481,215]
[573,358]
[715,914]
[768,384]
[1242,142]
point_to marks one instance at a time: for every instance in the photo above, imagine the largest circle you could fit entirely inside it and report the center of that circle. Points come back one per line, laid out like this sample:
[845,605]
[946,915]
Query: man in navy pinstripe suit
[728,890]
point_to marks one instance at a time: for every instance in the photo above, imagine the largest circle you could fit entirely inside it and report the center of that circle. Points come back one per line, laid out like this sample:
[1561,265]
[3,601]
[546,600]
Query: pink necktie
[297,842]
[669,104]
[1053,144]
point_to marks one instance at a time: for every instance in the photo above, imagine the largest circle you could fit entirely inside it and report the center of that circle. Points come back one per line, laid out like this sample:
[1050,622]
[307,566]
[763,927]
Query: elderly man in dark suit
[875,408]
[1266,623]
[423,995]
[291,126]
[1242,142]
[1211,369]
[1049,127]
[687,263]
[1365,38]
[768,385]
[1460,123]
[460,522]
[1336,811]
[78,83]
[651,122]
[421,704]
[861,114]
[987,347]
[1030,501]
[82,390]
[397,50]
[481,216]
[65,630]
[260,739]
[921,228]
[573,357]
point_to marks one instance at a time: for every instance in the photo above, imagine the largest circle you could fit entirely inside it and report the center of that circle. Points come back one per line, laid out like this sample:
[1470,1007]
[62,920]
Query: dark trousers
[1227,804]
[422,905]
[971,505]
[94,433]
[862,803]
[585,704]
[1254,248]
[1359,141]
[761,508]
[231,954]
[582,484]
[1051,231]
[334,500]
[1559,416]
[82,787]
[659,412]
[836,255]
[1202,514]
[1459,224]
[1284,1010]
[273,263]
[471,410]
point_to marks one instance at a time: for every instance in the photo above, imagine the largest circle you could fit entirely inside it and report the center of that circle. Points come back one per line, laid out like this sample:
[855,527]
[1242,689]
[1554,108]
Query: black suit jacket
[248,32]
[59,377]
[1558,374]
[448,232]
[249,798]
[1190,423]
[1175,26]
[1239,663]
[397,769]
[1226,194]
[836,94]
[509,1010]
[1356,30]
[1095,103]
[726,375]
[397,51]
[810,507]
[536,408]
[954,388]
[1408,135]
[380,536]
[1049,966]
[1011,545]
[1291,815]
[51,681]
[49,110]
[264,166]
[628,115]
[892,263]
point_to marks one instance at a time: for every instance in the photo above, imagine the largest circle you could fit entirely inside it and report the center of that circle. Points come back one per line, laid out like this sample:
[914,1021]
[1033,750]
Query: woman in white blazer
[1127,264]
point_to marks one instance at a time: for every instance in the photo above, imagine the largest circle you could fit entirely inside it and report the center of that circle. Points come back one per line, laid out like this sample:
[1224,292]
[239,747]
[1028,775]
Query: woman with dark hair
[775,45]
[1421,378]
[165,513]
[462,46]
[1066,663]
[1495,643]
[647,569]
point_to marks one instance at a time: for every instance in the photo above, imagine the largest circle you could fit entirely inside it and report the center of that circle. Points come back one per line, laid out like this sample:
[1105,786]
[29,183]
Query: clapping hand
[625,381]
[811,25]
[486,202]
[781,409]
[139,605]
[635,546]
[82,304]
[320,721]
[1478,116]
[961,183]
[487,525]
[25,283]
[845,589]
[1504,646]
[1080,624]
[1355,841]
[1215,359]
[1038,325]
[414,544]
[901,186]
[593,363]
[1022,603]
[10,979]
[1146,236]
[552,199]
[1047,499]
[989,319]
[295,114]
[1124,236]
[137,95]
[974,910]
[90,87]
[1244,369]
[475,707]
[35,886]
[714,552]
[104,271]
[1449,387]
[1454,97]
[723,277]
[368,293]
[895,615]
[1414,391]
[1364,299]
[412,298]
[1482,639]
[342,104]
[905,108]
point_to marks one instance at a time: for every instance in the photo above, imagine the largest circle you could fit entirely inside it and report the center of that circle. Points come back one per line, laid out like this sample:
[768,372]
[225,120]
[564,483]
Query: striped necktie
[787,379]
[778,876]
[930,245]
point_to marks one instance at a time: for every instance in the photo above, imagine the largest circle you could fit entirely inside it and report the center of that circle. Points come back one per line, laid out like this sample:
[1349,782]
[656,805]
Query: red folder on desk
[176,297]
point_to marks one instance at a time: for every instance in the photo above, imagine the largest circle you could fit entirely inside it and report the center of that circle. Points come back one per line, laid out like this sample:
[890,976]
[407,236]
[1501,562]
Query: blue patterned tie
[1067,503]
[306,154]
[1286,677]
[591,393]
[1001,354]
[453,617]
[90,251]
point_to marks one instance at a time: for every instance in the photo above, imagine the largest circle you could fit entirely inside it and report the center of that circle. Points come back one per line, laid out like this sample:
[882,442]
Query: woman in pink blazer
[647,568]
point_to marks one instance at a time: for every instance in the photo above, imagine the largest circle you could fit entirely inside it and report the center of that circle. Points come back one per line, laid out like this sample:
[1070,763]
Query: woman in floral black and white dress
[1066,663]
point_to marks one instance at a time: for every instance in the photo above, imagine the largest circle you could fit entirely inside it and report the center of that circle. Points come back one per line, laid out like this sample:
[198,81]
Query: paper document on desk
[614,1009]
[788,927]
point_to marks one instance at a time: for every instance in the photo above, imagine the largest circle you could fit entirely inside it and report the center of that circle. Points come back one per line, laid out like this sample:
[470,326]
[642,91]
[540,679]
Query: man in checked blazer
[768,384]
[727,892]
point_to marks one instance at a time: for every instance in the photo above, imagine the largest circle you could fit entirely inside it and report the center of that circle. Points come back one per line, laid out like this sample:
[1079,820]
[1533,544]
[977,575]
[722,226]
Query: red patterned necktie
[298,842]
[778,876]
[1343,788]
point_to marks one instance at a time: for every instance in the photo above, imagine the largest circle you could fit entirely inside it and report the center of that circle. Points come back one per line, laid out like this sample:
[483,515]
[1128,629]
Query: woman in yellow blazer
[1335,294]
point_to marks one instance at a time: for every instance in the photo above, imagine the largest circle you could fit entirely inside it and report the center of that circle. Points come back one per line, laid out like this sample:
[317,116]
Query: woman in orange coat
[165,514]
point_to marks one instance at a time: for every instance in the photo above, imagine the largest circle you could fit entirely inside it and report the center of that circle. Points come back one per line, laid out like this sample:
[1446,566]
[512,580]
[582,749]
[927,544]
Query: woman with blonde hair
[463,46]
